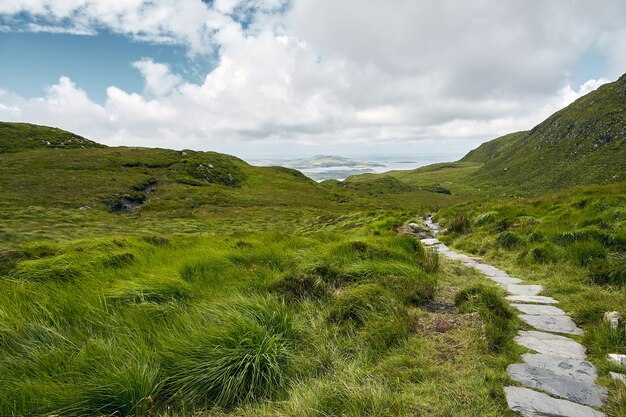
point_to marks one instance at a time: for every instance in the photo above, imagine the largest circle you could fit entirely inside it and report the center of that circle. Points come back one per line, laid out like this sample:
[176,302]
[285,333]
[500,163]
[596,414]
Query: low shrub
[508,240]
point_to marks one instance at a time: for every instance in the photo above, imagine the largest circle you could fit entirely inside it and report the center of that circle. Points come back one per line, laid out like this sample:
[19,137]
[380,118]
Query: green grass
[136,281]
[574,243]
[199,325]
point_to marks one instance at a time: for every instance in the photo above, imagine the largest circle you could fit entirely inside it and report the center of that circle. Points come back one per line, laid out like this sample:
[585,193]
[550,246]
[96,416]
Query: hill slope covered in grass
[584,143]
[20,136]
[59,193]
[139,282]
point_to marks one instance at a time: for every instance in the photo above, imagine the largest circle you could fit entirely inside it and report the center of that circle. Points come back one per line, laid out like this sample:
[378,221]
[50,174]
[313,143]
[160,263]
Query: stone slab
[458,256]
[551,344]
[539,310]
[617,358]
[561,386]
[537,299]
[555,324]
[504,281]
[441,247]
[571,368]
[516,289]
[490,271]
[531,403]
[429,242]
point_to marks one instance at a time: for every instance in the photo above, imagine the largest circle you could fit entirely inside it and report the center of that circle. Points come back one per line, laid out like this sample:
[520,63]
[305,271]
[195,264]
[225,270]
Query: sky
[280,78]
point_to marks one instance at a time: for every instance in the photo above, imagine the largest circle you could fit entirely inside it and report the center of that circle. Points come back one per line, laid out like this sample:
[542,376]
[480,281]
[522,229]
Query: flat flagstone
[429,242]
[555,324]
[539,310]
[537,299]
[617,358]
[505,281]
[531,403]
[490,271]
[441,247]
[551,344]
[524,289]
[572,368]
[458,256]
[561,386]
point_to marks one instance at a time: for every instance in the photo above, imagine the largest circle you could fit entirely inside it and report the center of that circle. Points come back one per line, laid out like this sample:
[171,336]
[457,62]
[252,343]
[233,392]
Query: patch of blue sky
[33,61]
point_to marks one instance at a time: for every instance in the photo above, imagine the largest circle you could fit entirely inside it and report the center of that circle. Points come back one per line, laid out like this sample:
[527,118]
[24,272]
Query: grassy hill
[82,192]
[139,282]
[20,136]
[585,143]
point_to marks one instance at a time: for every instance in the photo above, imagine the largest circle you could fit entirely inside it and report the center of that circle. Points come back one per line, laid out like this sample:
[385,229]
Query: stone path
[559,368]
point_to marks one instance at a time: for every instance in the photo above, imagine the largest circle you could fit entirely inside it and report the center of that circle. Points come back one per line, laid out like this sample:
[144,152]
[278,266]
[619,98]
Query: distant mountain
[584,143]
[15,137]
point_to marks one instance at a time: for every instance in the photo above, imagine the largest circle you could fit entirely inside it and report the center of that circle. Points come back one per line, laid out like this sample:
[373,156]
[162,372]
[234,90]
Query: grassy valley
[153,282]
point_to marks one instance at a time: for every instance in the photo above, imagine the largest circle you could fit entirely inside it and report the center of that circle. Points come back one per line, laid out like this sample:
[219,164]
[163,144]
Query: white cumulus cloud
[322,73]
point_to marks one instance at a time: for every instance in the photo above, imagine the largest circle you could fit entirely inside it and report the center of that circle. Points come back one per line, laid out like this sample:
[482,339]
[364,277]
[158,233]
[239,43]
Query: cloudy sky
[302,77]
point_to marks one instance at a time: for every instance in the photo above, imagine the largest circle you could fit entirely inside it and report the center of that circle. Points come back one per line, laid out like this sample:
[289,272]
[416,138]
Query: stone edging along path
[557,380]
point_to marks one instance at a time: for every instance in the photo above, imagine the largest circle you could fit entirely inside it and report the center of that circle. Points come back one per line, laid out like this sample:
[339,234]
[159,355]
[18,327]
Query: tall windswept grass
[243,357]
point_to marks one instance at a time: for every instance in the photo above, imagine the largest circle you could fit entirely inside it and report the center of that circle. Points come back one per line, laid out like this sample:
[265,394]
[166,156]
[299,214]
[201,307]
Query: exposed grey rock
[458,256]
[551,344]
[490,271]
[538,299]
[618,377]
[441,247]
[524,289]
[561,386]
[429,242]
[531,403]
[613,318]
[572,368]
[555,324]
[617,358]
[505,281]
[539,310]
